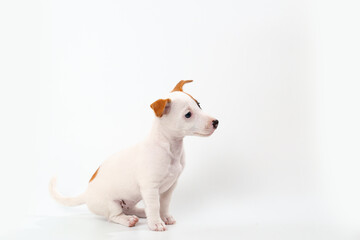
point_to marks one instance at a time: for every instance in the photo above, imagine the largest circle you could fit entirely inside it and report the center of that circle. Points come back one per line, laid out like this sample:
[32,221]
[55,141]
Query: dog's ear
[180,85]
[159,106]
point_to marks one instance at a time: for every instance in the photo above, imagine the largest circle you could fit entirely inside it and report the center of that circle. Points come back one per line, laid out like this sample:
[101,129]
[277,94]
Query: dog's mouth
[204,134]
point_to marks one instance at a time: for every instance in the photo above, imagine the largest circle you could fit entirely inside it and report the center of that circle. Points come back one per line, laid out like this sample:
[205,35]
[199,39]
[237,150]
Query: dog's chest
[174,170]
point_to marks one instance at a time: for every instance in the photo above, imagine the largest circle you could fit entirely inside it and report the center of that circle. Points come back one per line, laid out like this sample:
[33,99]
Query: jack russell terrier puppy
[149,170]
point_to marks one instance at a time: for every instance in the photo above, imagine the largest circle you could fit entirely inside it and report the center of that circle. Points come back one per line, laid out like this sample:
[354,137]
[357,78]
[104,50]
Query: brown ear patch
[180,85]
[159,106]
[94,175]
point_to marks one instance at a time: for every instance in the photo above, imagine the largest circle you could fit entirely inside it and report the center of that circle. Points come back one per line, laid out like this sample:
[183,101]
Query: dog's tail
[67,201]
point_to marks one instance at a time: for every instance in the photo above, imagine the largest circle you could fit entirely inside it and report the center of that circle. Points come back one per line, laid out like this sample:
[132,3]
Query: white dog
[149,170]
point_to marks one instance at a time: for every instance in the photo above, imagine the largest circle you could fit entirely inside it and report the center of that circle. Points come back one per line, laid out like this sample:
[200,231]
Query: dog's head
[181,114]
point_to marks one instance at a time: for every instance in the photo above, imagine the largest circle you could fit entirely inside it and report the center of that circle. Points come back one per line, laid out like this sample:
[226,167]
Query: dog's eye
[188,115]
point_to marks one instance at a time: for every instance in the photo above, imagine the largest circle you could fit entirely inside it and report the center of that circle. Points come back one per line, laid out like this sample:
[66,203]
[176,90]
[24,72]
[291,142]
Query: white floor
[87,226]
[79,223]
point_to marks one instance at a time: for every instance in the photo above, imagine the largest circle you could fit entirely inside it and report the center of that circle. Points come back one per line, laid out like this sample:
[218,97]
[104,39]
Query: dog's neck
[163,136]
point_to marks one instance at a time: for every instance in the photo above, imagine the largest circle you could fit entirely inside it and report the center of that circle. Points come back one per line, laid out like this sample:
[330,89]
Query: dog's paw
[157,226]
[168,220]
[132,221]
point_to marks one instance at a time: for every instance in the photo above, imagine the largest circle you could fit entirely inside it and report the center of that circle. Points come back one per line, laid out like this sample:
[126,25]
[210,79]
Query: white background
[77,79]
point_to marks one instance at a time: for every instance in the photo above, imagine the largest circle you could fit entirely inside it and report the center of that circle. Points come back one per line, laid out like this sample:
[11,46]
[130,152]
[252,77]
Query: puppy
[149,170]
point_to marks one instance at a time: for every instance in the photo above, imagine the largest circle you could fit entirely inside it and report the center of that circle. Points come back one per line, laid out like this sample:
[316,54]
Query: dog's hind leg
[139,212]
[117,215]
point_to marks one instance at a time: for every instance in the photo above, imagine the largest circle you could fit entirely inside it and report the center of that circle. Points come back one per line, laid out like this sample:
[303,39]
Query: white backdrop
[77,79]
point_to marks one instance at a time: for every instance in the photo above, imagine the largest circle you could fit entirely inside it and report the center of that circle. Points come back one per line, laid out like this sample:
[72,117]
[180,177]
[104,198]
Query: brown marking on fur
[193,99]
[159,106]
[94,175]
[180,85]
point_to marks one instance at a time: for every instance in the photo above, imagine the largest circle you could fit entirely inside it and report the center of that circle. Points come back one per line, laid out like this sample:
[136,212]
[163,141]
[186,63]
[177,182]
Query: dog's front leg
[165,204]
[151,199]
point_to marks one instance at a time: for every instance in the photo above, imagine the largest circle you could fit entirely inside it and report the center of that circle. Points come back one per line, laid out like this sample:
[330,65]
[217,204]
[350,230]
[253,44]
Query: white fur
[147,171]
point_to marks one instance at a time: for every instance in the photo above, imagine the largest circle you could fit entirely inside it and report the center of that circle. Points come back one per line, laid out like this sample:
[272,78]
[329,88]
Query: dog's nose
[215,123]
